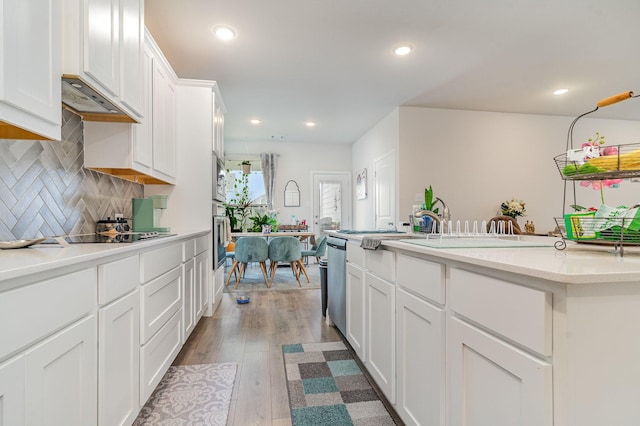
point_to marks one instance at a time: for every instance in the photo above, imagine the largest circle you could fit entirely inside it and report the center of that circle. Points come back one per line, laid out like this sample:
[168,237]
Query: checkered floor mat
[326,387]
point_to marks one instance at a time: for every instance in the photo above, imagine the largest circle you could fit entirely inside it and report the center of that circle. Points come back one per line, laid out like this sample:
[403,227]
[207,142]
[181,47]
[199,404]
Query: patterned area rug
[326,387]
[284,279]
[191,395]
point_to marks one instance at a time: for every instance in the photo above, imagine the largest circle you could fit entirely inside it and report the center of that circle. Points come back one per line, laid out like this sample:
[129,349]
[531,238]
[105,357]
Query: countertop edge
[49,258]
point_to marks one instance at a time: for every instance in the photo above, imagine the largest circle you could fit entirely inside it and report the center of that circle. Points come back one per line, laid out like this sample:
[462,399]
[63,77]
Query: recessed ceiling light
[310,124]
[224,32]
[403,50]
[560,91]
[255,121]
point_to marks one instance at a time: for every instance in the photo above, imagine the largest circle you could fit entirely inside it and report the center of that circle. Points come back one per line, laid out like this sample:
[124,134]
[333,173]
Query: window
[257,193]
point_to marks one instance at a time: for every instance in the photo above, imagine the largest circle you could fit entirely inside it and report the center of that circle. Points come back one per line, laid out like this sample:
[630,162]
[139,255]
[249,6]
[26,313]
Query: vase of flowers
[513,208]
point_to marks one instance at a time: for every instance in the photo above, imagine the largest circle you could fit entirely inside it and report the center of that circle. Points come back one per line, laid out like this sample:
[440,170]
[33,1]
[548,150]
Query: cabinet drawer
[381,263]
[423,277]
[355,254]
[202,243]
[157,355]
[160,299]
[188,250]
[518,313]
[156,262]
[52,304]
[117,278]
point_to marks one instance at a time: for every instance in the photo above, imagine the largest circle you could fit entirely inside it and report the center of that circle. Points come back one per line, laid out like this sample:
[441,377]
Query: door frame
[346,196]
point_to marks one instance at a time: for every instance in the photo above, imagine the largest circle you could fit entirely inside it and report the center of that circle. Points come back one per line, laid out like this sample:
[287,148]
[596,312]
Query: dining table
[303,236]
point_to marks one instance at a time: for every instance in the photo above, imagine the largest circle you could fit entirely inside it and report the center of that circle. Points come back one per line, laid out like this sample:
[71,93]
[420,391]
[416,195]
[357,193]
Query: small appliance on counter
[147,213]
[116,225]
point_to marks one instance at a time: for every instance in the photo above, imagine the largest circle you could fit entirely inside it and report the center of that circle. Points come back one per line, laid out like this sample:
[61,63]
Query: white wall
[296,162]
[376,143]
[475,160]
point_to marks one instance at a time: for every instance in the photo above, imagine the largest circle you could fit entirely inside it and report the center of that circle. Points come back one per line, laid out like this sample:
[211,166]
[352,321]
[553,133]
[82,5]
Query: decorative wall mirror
[291,194]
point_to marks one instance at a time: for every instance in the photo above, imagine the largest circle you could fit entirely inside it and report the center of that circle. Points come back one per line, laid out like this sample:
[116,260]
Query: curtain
[269,167]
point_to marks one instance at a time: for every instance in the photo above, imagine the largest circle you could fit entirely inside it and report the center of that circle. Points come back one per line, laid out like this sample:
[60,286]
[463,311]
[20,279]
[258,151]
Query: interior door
[385,191]
[331,201]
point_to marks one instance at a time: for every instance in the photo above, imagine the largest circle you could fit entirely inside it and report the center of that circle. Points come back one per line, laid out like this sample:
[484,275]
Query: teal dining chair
[286,249]
[249,249]
[318,249]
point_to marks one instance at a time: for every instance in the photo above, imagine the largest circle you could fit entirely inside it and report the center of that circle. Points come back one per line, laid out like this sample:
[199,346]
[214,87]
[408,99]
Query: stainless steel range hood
[88,103]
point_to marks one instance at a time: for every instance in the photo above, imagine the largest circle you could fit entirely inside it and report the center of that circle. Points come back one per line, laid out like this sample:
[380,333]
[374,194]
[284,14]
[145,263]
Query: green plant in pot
[430,201]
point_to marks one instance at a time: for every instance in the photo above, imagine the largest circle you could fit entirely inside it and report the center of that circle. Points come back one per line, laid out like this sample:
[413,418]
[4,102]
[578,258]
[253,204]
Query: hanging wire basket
[615,162]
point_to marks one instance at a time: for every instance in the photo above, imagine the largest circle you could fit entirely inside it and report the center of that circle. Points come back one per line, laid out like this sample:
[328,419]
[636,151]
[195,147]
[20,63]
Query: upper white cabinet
[218,124]
[30,87]
[102,45]
[163,119]
[144,152]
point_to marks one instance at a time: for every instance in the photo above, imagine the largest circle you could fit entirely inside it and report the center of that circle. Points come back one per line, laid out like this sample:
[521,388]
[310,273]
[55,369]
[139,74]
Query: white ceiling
[331,61]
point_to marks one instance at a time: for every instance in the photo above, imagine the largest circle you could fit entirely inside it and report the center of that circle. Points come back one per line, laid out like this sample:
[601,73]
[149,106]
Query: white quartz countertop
[577,264]
[40,258]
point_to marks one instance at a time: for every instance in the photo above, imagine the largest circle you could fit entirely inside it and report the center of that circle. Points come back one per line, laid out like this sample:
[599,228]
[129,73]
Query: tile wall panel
[45,191]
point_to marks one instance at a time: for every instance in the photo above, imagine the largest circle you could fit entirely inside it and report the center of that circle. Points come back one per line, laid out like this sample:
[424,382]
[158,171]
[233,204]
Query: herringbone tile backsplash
[45,191]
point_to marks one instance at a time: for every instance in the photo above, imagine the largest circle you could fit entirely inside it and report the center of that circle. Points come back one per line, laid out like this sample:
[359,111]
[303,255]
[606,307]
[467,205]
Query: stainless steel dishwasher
[336,278]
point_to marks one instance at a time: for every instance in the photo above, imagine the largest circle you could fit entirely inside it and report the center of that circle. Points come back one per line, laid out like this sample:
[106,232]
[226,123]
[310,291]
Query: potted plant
[246,167]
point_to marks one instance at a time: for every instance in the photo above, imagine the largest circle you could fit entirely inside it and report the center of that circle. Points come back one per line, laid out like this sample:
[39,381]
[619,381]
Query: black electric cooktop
[117,238]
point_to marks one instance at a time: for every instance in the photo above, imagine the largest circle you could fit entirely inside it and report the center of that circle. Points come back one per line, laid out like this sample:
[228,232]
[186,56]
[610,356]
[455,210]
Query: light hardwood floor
[252,335]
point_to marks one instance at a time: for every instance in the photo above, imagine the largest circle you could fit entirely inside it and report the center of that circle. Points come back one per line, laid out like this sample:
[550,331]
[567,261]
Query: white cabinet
[500,340]
[420,334]
[201,284]
[188,302]
[161,314]
[119,338]
[356,303]
[145,152]
[12,403]
[381,334]
[102,45]
[119,361]
[218,124]
[421,378]
[131,48]
[493,383]
[30,69]
[102,38]
[164,121]
[60,384]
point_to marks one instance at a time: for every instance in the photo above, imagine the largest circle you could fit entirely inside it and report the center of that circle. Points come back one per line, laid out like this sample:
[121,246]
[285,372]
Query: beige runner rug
[191,395]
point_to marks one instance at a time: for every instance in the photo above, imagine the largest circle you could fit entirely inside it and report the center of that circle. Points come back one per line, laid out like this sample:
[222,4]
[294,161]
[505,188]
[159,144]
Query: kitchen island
[87,331]
[498,336]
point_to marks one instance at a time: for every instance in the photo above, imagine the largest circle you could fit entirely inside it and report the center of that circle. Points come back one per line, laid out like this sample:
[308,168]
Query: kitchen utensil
[20,243]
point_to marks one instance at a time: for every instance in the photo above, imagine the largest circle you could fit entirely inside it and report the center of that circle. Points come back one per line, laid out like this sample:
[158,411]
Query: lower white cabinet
[12,403]
[421,377]
[188,302]
[119,361]
[355,301]
[201,281]
[494,383]
[160,300]
[157,355]
[61,377]
[381,334]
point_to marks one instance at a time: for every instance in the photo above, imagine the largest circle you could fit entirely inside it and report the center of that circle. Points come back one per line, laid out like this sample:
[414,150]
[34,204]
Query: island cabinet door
[355,289]
[381,334]
[494,383]
[420,361]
